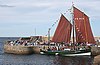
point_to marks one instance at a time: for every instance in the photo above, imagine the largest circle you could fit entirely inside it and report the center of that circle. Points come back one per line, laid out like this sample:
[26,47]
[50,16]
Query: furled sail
[63,31]
[82,27]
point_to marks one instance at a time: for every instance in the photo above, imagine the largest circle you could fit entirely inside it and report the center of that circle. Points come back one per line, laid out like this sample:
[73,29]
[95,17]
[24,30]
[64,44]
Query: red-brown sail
[63,31]
[82,27]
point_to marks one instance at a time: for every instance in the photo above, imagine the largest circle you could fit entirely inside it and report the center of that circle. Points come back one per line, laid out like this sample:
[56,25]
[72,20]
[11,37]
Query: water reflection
[36,59]
[79,60]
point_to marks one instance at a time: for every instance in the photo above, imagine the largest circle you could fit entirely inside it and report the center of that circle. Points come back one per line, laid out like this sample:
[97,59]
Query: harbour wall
[18,49]
[36,49]
[95,51]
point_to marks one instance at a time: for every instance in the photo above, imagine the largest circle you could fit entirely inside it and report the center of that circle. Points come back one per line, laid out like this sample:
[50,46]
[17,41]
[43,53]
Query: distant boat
[81,28]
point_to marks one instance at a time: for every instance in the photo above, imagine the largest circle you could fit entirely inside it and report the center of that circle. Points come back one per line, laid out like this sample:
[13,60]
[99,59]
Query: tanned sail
[63,31]
[82,27]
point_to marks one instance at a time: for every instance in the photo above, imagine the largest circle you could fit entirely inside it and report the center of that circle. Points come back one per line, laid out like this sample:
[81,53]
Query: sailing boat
[82,30]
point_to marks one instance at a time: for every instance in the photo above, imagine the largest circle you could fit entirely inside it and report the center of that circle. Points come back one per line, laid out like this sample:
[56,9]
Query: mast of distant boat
[49,36]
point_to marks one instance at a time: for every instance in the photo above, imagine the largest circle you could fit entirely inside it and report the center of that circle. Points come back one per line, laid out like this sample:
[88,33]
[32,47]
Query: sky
[21,18]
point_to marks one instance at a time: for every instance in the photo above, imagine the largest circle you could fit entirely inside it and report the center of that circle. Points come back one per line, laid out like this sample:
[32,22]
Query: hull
[78,54]
[18,49]
[67,53]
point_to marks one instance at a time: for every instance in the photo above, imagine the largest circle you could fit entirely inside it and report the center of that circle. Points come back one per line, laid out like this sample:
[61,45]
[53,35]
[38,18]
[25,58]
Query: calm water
[36,59]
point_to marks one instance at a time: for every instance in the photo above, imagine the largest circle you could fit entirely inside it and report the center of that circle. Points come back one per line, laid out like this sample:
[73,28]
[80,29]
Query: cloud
[33,9]
[29,10]
[6,6]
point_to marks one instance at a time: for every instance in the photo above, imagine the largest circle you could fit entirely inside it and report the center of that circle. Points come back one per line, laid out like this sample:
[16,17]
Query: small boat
[81,28]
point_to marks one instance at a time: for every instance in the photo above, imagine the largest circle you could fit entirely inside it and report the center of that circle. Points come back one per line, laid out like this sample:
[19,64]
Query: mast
[73,23]
[49,35]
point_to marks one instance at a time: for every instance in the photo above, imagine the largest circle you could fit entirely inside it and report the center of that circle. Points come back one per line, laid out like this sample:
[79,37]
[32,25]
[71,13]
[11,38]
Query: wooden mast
[73,23]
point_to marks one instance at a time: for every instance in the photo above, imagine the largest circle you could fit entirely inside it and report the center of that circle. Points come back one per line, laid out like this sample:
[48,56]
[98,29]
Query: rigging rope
[69,10]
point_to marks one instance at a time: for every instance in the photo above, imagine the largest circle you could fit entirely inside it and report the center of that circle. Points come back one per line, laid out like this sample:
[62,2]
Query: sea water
[37,59]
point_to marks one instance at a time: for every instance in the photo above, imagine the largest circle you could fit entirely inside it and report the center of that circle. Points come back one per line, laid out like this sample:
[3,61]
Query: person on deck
[49,49]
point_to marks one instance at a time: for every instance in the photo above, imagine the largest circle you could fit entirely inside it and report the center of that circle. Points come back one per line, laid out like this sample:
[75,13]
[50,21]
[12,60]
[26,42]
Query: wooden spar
[73,23]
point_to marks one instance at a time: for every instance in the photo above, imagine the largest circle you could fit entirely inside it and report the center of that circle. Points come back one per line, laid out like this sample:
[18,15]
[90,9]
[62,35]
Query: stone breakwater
[95,51]
[96,60]
[36,49]
[96,54]
[18,49]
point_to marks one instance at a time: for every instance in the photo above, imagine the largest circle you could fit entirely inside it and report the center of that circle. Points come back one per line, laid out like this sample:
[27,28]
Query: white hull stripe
[81,54]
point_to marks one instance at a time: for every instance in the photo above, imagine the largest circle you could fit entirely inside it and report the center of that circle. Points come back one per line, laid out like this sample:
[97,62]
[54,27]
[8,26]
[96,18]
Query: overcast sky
[24,17]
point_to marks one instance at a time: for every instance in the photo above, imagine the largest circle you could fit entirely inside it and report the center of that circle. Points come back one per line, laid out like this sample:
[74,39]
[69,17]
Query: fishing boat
[81,32]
